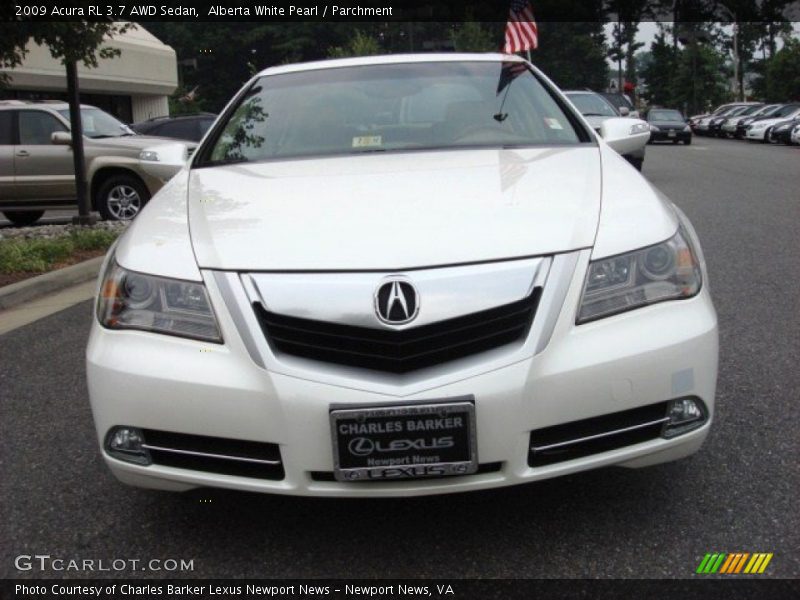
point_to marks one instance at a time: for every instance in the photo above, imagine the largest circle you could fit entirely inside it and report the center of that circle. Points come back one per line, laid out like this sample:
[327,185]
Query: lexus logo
[396,302]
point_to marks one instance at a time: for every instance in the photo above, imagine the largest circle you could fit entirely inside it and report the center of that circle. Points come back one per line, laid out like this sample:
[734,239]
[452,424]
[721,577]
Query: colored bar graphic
[728,563]
[703,563]
[765,563]
[734,562]
[741,561]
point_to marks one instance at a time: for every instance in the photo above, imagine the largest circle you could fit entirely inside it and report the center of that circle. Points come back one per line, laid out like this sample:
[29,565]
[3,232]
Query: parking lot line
[45,306]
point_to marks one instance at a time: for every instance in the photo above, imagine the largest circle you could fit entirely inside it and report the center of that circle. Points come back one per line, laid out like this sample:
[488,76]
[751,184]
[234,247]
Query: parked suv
[36,163]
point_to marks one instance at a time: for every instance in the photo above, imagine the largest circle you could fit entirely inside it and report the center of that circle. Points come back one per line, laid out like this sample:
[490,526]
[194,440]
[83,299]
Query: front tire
[638,163]
[687,142]
[23,218]
[121,197]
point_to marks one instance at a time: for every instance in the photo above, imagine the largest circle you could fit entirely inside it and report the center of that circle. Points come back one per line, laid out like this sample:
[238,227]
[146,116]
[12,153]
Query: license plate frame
[411,440]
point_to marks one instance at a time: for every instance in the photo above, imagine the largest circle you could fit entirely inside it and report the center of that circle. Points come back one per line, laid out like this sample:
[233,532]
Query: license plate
[430,439]
[671,134]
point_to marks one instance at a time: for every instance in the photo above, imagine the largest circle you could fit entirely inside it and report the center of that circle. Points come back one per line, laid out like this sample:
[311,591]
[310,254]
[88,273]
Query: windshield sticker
[367,141]
[553,123]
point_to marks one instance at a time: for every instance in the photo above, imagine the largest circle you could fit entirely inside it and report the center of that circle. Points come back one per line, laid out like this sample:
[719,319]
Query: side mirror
[624,111]
[164,160]
[625,135]
[61,138]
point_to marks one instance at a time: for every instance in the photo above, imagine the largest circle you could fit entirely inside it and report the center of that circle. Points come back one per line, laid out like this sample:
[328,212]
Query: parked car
[728,128]
[187,127]
[795,137]
[668,125]
[694,120]
[378,276]
[765,113]
[36,163]
[759,129]
[596,109]
[715,123]
[781,133]
[622,103]
[702,126]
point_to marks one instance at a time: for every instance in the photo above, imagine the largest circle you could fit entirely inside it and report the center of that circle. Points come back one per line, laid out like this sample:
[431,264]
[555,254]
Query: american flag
[521,31]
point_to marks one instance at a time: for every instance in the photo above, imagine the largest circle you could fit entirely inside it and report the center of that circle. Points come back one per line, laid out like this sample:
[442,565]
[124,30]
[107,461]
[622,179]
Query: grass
[40,255]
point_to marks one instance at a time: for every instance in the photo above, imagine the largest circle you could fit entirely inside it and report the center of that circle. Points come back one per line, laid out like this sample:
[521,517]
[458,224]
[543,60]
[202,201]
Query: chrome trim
[599,435]
[227,291]
[209,455]
[559,277]
[443,293]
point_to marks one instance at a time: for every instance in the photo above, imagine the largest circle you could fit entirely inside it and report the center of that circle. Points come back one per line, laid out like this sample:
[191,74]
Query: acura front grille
[400,351]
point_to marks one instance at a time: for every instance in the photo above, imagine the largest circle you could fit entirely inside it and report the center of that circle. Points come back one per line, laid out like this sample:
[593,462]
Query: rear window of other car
[390,108]
[664,115]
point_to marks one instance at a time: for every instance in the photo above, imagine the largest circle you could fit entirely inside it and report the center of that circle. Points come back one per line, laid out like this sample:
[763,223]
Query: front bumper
[664,136]
[755,134]
[642,357]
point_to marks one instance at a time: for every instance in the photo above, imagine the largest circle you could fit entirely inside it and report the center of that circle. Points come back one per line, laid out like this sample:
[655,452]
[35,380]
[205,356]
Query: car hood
[395,211]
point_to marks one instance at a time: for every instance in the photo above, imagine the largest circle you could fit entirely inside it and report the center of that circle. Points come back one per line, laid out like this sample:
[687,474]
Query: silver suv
[36,168]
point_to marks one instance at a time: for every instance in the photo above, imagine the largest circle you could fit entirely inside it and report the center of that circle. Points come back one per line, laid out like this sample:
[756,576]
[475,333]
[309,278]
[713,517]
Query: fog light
[684,415]
[125,443]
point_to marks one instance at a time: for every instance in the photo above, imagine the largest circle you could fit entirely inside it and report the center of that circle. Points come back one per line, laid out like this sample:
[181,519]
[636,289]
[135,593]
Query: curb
[28,289]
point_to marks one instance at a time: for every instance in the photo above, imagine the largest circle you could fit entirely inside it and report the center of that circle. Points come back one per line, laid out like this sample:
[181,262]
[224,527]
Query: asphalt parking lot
[737,495]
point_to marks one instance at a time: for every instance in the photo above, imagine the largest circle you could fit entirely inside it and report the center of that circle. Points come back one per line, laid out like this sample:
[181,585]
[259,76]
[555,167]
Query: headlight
[148,155]
[130,300]
[639,128]
[758,126]
[687,129]
[654,128]
[667,271]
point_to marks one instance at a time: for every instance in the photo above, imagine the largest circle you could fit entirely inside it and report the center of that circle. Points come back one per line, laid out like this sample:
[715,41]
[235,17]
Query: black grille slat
[404,350]
[173,450]
[625,423]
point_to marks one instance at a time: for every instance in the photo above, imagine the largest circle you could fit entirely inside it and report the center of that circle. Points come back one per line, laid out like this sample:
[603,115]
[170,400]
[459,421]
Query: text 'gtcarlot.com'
[46,562]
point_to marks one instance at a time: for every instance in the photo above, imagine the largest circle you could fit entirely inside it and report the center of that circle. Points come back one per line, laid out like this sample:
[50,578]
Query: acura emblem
[396,302]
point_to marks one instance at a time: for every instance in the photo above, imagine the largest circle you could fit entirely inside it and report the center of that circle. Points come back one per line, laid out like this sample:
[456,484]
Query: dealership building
[133,86]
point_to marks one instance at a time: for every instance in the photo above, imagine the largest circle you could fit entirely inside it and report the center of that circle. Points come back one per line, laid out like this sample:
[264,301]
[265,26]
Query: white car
[759,129]
[396,276]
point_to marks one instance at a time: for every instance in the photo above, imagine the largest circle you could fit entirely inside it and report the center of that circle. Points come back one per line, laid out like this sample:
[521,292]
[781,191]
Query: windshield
[752,110]
[785,111]
[396,107]
[592,105]
[665,115]
[99,124]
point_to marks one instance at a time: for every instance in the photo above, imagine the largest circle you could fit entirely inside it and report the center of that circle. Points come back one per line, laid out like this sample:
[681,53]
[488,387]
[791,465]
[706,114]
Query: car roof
[51,104]
[388,59]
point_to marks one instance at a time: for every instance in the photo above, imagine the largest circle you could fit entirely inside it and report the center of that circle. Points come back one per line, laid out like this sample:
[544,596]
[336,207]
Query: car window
[36,126]
[205,124]
[6,131]
[665,115]
[184,129]
[98,124]
[592,105]
[398,107]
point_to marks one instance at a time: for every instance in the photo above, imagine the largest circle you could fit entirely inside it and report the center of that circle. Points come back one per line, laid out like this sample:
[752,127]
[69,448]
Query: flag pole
[529,54]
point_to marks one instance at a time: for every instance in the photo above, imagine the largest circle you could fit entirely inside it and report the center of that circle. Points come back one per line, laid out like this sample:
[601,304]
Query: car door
[43,170]
[6,155]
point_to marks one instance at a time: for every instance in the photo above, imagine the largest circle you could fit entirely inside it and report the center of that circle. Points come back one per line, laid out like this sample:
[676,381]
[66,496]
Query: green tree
[782,74]
[70,42]
[471,36]
[659,71]
[361,44]
[573,54]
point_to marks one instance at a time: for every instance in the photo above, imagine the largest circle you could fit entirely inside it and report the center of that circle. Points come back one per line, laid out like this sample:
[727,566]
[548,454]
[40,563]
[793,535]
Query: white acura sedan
[401,275]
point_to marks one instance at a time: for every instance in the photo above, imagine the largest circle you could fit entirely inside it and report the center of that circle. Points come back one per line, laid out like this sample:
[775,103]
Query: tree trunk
[73,97]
